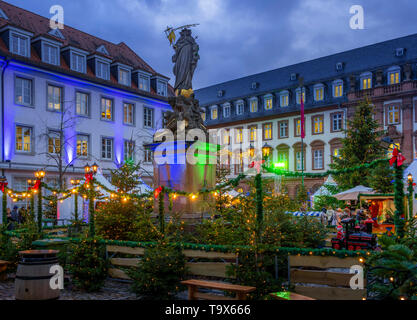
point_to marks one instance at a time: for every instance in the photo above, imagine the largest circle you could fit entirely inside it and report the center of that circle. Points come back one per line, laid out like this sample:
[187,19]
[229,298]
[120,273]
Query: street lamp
[40,174]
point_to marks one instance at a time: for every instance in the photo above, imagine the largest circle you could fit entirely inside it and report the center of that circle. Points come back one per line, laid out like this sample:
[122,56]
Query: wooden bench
[193,294]
[3,267]
[293,296]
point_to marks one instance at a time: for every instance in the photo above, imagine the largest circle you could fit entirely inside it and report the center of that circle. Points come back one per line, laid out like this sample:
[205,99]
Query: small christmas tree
[362,145]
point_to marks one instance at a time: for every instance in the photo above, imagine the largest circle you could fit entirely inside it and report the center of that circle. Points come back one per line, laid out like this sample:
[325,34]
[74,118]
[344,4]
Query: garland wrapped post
[76,206]
[397,161]
[410,190]
[40,207]
[91,211]
[160,194]
[4,209]
[259,205]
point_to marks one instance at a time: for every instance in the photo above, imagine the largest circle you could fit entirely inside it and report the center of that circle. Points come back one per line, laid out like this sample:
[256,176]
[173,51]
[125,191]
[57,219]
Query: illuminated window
[298,161]
[103,70]
[318,159]
[214,113]
[366,81]
[128,113]
[393,114]
[254,105]
[318,124]
[336,152]
[226,137]
[338,88]
[82,145]
[298,127]
[283,157]
[252,133]
[107,148]
[23,91]
[23,139]
[251,152]
[267,131]
[239,135]
[394,75]
[239,162]
[124,77]
[54,98]
[298,94]
[144,82]
[54,142]
[268,102]
[284,98]
[106,109]
[319,93]
[81,103]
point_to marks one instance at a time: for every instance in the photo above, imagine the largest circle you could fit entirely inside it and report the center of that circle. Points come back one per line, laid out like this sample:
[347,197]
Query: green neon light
[279,164]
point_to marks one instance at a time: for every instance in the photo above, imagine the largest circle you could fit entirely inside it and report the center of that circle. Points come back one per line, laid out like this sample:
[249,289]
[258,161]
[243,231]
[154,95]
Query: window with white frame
[148,117]
[337,88]
[226,110]
[23,139]
[107,148]
[319,92]
[393,114]
[298,161]
[284,98]
[128,113]
[300,93]
[283,129]
[144,83]
[50,54]
[82,103]
[366,80]
[337,119]
[268,100]
[394,75]
[124,77]
[78,62]
[318,159]
[103,70]
[129,150]
[19,44]
[162,88]
[54,98]
[54,142]
[23,91]
[82,145]
[214,113]
[253,104]
[240,107]
[106,109]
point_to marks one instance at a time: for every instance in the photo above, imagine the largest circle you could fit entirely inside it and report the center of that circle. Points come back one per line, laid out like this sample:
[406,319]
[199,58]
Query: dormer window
[399,52]
[339,66]
[284,98]
[162,88]
[293,76]
[268,102]
[220,93]
[240,106]
[144,82]
[214,113]
[19,44]
[300,92]
[337,88]
[103,70]
[254,85]
[366,80]
[253,102]
[319,92]
[122,73]
[50,53]
[226,110]
[75,58]
[394,75]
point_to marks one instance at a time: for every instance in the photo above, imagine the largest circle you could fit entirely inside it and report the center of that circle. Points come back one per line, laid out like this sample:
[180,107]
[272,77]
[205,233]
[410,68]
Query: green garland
[286,173]
[398,199]
[4,209]
[161,208]
[259,204]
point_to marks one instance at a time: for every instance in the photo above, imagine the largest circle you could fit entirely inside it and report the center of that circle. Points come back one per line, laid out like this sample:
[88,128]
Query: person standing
[15,215]
[330,217]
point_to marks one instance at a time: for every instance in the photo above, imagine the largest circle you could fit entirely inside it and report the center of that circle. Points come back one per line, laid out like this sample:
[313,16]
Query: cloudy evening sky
[236,37]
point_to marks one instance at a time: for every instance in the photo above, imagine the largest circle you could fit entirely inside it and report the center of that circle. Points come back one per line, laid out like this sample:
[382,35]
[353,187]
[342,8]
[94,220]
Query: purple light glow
[9,133]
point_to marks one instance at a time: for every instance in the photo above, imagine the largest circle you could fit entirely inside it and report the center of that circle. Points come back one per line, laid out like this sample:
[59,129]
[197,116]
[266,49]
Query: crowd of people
[333,216]
[16,216]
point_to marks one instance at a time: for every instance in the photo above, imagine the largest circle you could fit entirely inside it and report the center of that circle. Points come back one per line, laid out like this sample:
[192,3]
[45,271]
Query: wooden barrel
[33,277]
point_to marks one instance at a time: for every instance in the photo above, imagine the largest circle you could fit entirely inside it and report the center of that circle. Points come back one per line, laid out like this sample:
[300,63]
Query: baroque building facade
[331,87]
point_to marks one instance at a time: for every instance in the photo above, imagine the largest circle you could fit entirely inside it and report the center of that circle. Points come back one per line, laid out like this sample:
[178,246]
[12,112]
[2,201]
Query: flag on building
[303,133]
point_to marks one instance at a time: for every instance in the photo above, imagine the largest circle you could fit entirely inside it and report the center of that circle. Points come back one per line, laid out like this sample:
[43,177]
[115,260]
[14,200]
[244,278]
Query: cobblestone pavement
[112,290]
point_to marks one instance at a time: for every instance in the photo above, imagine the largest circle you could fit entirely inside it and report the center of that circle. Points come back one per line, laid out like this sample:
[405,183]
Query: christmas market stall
[381,208]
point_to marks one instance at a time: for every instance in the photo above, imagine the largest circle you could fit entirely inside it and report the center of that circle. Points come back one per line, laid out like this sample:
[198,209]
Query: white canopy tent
[323,191]
[412,168]
[352,194]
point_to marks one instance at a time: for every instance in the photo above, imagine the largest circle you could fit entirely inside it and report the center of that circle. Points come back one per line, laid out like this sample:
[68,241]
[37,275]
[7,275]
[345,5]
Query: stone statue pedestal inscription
[180,175]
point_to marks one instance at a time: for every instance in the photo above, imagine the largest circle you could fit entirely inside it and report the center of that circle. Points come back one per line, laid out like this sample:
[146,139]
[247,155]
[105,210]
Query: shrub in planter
[87,264]
[159,273]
